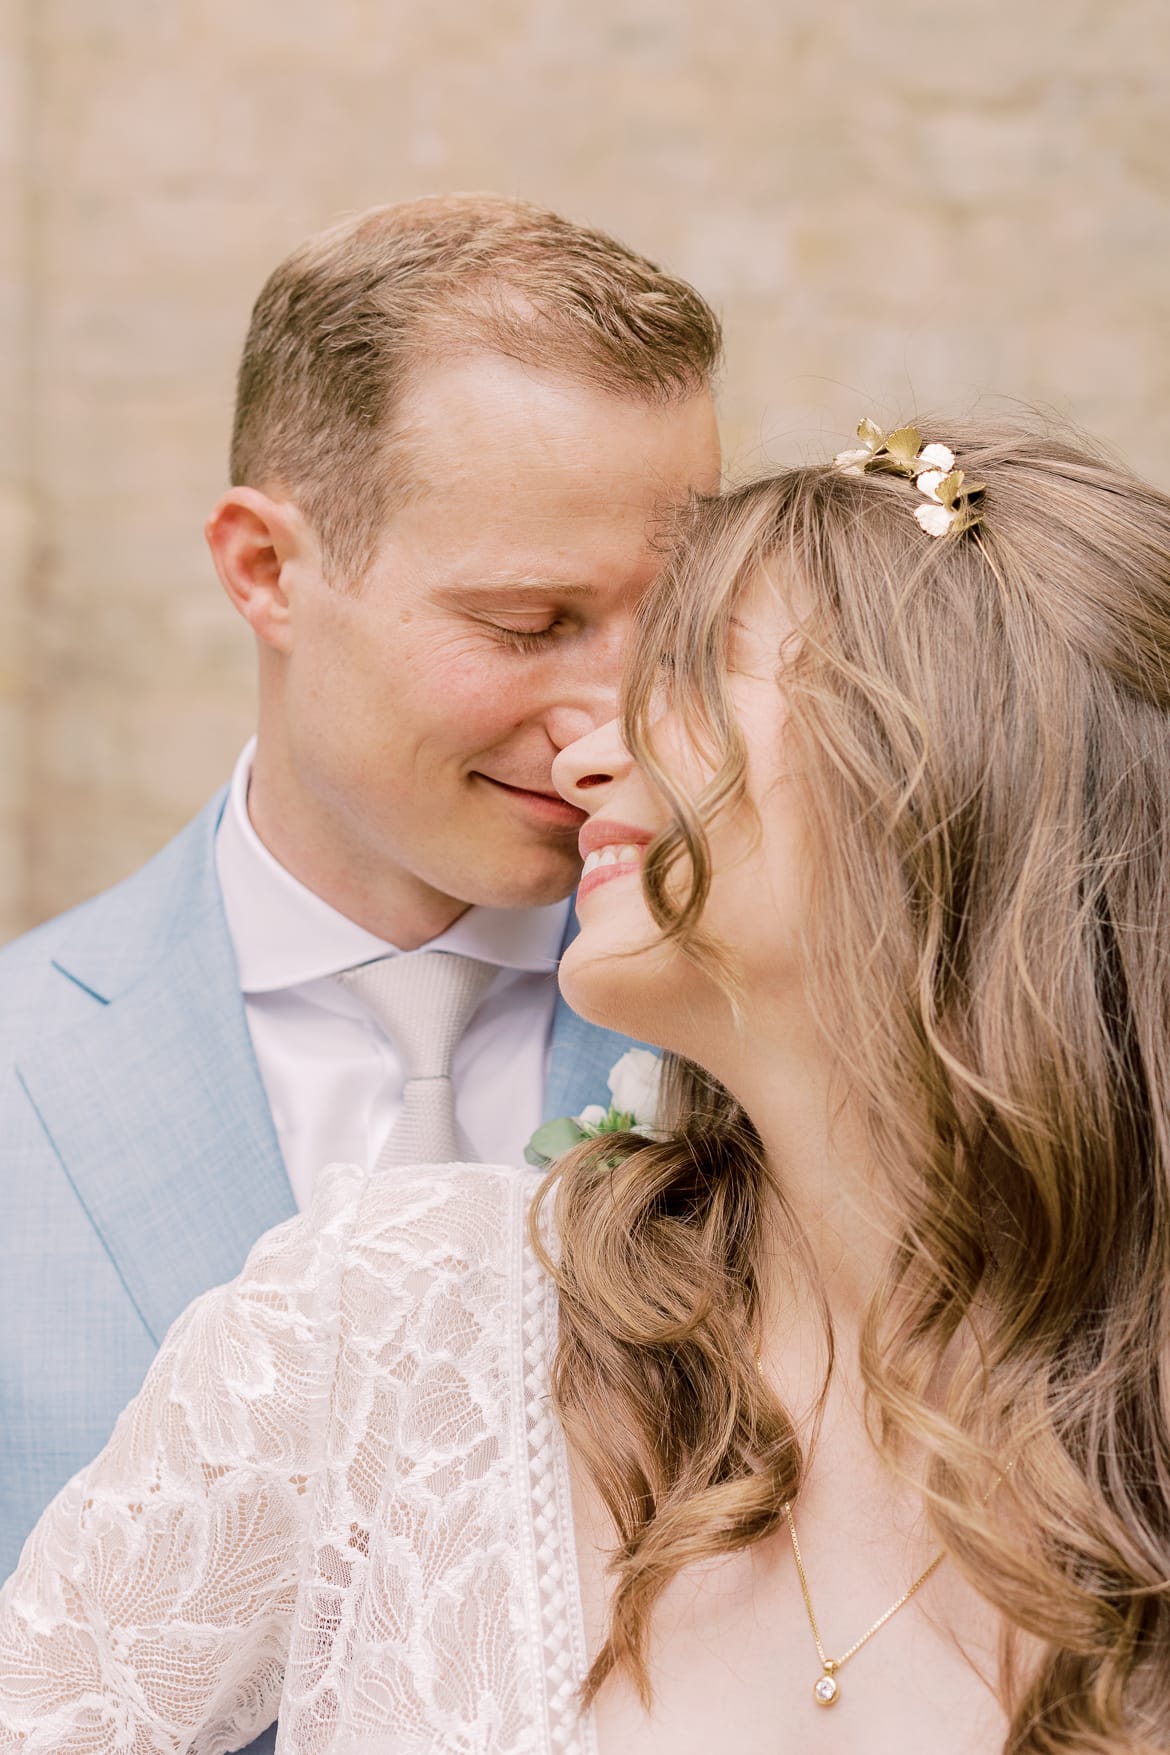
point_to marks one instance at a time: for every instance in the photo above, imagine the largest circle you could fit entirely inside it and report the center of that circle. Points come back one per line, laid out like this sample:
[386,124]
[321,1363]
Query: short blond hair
[342,325]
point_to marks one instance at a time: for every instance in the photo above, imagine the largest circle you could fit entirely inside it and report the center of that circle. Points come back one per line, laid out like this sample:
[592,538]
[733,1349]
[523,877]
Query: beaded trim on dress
[565,1659]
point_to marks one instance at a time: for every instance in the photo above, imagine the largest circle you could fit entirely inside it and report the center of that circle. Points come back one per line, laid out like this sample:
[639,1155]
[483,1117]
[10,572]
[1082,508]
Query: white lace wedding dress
[342,1495]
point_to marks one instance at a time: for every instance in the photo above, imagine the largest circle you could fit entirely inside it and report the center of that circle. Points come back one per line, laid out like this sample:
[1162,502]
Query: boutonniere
[634,1088]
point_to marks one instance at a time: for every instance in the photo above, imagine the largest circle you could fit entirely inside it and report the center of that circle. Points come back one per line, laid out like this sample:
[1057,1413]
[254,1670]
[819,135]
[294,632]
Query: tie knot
[424,1001]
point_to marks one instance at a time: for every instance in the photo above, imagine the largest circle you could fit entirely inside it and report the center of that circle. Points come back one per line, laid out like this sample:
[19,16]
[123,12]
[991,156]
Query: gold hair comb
[950,497]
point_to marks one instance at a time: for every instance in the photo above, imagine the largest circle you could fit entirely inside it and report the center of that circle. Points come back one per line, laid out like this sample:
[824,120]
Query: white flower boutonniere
[635,1088]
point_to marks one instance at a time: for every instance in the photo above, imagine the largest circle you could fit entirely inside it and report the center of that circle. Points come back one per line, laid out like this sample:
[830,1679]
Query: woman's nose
[583,769]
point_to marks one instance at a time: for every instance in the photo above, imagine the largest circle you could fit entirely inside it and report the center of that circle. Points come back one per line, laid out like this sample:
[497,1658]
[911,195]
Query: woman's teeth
[623,855]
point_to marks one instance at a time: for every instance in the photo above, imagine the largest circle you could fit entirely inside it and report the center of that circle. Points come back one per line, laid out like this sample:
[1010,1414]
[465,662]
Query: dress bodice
[341,1496]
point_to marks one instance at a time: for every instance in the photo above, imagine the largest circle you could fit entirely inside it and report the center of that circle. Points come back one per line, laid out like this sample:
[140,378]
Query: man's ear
[258,543]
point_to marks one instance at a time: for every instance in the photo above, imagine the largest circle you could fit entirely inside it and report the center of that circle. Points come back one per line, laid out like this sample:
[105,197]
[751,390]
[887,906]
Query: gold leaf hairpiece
[950,497]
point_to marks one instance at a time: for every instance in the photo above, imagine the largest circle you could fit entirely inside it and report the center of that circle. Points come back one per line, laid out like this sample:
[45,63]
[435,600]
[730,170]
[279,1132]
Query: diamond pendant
[826,1688]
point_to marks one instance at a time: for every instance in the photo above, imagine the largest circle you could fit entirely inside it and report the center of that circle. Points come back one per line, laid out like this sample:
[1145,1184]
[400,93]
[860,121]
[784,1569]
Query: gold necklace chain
[826,1688]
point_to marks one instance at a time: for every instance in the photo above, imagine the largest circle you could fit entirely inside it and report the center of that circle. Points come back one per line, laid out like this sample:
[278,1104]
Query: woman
[860,1373]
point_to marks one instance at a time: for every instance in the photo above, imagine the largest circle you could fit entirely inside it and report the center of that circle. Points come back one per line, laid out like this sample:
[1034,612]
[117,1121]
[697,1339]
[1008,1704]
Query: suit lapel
[583,1056]
[154,1104]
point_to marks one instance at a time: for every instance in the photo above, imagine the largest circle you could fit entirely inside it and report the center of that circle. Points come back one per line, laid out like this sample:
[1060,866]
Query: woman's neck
[833,1237]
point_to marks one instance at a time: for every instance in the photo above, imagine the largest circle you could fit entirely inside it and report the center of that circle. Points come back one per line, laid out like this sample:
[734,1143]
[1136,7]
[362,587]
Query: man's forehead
[497,486]
[466,421]
[535,532]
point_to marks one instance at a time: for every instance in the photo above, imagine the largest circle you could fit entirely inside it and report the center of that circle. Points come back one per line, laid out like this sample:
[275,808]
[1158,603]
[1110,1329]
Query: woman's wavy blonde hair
[982,735]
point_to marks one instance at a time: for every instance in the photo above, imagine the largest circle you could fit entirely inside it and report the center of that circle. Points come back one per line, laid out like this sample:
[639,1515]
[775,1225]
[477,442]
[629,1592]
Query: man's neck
[377,895]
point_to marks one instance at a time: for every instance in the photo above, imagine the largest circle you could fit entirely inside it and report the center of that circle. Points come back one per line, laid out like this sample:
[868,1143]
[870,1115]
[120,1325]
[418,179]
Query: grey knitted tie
[424,1001]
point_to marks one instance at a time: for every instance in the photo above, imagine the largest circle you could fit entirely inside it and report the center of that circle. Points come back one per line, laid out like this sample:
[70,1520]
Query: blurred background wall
[893,206]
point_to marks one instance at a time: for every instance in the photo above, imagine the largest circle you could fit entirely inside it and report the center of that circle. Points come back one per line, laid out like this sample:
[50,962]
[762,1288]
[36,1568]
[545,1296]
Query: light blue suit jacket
[138,1158]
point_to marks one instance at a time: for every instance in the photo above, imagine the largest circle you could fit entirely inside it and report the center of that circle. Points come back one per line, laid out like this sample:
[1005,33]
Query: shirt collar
[284,934]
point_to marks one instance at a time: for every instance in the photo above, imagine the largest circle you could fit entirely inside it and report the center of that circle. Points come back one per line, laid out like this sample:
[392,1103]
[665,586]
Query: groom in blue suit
[460,424]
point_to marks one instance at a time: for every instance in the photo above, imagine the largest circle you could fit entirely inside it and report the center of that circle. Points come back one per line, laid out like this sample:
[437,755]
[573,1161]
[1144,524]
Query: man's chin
[525,882]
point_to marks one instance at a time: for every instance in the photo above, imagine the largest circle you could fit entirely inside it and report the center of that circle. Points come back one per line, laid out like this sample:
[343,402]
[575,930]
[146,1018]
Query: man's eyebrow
[490,590]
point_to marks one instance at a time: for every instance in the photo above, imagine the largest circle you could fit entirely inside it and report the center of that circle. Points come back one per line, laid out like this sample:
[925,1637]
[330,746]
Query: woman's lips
[601,832]
[603,874]
[610,850]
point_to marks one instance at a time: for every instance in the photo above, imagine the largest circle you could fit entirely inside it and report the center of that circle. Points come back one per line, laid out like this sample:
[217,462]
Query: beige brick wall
[894,206]
[15,473]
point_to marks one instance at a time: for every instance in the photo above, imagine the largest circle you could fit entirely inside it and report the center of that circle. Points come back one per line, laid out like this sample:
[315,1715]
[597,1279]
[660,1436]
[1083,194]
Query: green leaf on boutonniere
[552,1141]
[616,1121]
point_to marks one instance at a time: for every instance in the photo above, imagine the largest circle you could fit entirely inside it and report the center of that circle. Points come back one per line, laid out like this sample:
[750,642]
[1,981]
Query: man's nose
[588,693]
[591,762]
[570,722]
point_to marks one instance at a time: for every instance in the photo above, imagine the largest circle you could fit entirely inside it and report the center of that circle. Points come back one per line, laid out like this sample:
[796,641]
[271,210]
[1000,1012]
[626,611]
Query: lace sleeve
[152,1604]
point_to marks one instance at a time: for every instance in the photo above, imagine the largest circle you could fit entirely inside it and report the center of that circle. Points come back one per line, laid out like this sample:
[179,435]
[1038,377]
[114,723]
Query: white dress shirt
[333,1078]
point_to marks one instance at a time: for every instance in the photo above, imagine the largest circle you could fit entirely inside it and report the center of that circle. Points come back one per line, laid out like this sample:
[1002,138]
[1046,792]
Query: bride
[838,1415]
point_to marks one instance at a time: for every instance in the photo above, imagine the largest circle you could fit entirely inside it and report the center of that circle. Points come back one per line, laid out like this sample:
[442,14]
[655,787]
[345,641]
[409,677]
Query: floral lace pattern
[341,1494]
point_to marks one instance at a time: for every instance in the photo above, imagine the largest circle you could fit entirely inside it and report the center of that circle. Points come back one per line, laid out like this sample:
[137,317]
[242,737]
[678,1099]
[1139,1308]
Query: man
[460,426]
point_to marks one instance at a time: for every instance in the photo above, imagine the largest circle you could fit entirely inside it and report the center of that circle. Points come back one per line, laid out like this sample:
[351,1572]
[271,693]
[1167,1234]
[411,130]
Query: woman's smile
[609,850]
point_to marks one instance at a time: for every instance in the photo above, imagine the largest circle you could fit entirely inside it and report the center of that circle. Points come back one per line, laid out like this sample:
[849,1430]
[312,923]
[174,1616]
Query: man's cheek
[484,700]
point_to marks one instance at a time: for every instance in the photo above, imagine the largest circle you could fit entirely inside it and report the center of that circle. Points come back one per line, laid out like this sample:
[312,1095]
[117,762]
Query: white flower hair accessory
[635,1086]
[950,498]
